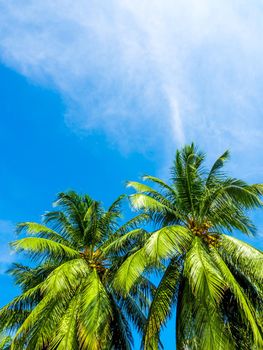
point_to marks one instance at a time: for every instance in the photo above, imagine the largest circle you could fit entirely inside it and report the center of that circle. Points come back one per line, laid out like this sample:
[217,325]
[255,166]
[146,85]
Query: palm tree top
[208,273]
[204,200]
[80,225]
[70,288]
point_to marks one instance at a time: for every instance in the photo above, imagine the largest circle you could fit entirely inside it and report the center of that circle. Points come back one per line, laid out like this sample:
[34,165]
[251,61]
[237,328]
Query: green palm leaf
[66,335]
[245,257]
[161,305]
[45,248]
[244,303]
[168,242]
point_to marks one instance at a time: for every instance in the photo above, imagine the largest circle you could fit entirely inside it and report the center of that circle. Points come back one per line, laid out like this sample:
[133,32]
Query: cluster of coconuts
[200,230]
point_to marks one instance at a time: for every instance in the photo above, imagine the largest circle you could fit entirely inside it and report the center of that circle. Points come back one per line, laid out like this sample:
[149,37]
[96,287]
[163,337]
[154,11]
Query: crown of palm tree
[213,279]
[67,300]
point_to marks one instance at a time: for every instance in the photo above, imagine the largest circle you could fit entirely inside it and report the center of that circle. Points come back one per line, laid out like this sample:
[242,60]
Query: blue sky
[93,94]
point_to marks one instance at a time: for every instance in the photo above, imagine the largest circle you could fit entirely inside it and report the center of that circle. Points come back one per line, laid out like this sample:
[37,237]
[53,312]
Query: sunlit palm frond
[203,275]
[44,248]
[168,242]
[66,336]
[95,310]
[42,231]
[246,258]
[131,270]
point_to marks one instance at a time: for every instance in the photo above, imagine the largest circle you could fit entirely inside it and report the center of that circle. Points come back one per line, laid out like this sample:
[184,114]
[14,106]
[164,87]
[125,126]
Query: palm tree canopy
[67,299]
[213,279]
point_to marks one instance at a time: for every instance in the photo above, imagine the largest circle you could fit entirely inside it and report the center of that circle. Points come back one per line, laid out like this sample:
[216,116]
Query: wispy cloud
[6,236]
[147,73]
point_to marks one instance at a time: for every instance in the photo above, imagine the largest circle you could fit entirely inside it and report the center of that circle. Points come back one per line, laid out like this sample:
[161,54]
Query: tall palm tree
[213,279]
[67,299]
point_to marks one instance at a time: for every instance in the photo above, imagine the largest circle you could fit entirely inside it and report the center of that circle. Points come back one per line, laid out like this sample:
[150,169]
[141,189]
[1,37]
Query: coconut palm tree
[67,299]
[213,279]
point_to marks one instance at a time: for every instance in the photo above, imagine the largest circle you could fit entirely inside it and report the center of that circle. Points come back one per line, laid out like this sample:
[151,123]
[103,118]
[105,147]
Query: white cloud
[6,236]
[147,73]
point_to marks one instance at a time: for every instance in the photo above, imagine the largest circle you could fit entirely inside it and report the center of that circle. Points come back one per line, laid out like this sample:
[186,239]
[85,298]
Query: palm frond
[168,242]
[66,278]
[160,183]
[66,336]
[121,334]
[161,306]
[215,171]
[115,207]
[133,223]
[131,270]
[123,242]
[243,302]
[142,201]
[27,277]
[96,313]
[199,324]
[203,275]
[42,231]
[246,258]
[44,248]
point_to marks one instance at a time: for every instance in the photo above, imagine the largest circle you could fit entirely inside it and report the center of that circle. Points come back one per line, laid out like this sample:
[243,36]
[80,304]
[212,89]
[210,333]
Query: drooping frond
[133,311]
[246,258]
[24,301]
[149,191]
[245,305]
[66,278]
[121,334]
[240,192]
[143,292]
[130,271]
[136,222]
[142,201]
[115,207]
[66,336]
[95,312]
[27,277]
[203,275]
[161,306]
[39,318]
[199,324]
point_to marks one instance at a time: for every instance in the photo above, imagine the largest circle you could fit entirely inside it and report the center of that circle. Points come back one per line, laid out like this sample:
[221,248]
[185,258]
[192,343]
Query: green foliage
[91,278]
[5,341]
[68,300]
[213,279]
